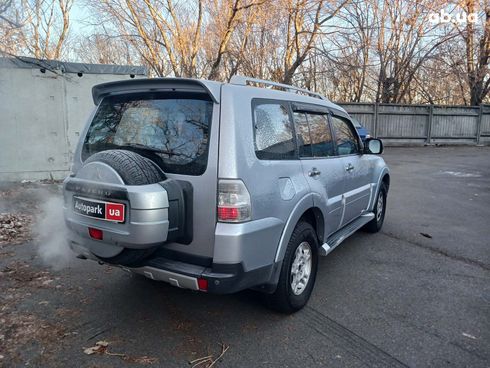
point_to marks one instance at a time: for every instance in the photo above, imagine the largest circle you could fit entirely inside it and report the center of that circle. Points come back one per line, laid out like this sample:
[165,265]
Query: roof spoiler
[154,84]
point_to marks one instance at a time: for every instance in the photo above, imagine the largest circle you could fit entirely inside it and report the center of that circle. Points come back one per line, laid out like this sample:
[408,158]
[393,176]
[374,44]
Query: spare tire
[133,169]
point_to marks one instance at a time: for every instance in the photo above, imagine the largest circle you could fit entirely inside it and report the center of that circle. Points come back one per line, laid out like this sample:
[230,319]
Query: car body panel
[357,186]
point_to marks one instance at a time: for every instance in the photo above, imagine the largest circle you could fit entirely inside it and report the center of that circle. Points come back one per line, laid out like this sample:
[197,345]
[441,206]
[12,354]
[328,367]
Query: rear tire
[133,169]
[376,223]
[293,292]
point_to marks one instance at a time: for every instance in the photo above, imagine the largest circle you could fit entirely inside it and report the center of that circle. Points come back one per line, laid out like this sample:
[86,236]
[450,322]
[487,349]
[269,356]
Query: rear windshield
[172,129]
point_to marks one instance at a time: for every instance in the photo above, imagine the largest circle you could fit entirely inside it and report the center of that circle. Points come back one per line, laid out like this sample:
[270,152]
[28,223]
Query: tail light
[233,201]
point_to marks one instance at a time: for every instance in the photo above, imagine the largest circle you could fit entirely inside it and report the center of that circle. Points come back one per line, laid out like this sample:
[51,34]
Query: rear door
[177,128]
[322,169]
[356,168]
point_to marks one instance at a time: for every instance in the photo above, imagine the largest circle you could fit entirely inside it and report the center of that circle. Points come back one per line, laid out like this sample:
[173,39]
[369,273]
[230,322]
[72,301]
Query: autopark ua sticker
[99,209]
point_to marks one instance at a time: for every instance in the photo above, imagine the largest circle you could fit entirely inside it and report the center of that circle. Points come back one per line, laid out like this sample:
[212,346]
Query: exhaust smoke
[51,232]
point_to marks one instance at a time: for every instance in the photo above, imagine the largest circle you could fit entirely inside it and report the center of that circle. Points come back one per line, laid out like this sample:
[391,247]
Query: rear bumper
[221,278]
[243,258]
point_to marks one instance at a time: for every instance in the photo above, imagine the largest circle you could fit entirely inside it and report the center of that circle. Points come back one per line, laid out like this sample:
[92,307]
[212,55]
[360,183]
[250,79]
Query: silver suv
[221,187]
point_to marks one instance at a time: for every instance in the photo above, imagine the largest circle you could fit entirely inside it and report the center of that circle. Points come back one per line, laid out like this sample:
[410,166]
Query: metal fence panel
[485,125]
[396,123]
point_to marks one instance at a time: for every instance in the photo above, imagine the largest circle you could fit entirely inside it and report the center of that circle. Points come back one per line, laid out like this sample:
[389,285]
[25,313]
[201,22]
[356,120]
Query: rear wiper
[147,148]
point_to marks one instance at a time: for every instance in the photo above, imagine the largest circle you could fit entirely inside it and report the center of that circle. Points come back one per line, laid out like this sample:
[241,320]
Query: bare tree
[235,15]
[5,5]
[43,28]
[406,39]
[348,60]
[188,38]
[101,48]
[304,23]
[350,50]
[477,47]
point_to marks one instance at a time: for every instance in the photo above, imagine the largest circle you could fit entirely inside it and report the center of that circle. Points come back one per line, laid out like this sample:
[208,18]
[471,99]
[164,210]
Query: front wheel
[298,272]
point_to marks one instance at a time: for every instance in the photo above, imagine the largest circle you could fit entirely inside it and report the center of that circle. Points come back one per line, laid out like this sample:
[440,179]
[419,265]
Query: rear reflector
[202,284]
[95,233]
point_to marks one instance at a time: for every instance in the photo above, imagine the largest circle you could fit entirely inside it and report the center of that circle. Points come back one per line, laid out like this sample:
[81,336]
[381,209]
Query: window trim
[309,108]
[286,104]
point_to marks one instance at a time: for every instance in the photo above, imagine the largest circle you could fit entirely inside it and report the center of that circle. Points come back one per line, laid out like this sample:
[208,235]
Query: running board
[342,234]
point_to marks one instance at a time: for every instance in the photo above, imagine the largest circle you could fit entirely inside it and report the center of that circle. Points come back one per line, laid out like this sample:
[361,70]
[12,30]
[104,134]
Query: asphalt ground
[417,294]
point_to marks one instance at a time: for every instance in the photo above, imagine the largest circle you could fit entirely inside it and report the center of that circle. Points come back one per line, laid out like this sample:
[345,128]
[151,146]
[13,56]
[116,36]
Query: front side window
[273,132]
[313,134]
[172,129]
[345,138]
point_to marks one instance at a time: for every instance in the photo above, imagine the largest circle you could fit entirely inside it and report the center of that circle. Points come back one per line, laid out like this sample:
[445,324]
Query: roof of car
[211,87]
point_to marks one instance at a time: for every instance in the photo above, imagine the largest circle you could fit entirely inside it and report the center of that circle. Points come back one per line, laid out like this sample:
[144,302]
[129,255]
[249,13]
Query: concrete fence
[424,124]
[43,107]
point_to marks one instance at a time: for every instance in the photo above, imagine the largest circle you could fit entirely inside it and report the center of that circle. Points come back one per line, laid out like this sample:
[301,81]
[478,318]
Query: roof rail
[246,81]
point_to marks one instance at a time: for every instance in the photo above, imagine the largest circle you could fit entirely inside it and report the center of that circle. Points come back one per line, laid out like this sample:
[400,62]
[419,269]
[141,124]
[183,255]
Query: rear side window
[273,131]
[345,138]
[314,135]
[172,129]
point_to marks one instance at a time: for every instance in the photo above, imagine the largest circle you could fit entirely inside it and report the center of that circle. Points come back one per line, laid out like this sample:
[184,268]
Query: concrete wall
[43,108]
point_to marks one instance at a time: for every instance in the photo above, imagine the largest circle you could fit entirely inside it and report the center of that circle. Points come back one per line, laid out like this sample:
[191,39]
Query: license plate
[107,211]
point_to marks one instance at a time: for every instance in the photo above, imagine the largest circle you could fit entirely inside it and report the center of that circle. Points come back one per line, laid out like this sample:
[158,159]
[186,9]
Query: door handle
[314,172]
[349,167]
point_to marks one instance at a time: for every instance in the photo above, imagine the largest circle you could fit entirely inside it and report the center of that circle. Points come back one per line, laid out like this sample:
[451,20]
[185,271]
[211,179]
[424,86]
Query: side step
[342,234]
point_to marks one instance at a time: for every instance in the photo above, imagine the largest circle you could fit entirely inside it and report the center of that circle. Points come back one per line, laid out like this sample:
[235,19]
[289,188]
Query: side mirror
[373,146]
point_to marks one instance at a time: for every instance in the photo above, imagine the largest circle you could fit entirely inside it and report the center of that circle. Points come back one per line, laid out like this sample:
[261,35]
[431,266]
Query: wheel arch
[383,178]
[386,180]
[306,210]
[315,218]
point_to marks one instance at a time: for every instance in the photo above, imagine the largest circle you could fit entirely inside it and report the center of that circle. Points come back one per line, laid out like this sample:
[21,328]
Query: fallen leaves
[21,272]
[102,348]
[209,361]
[15,228]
